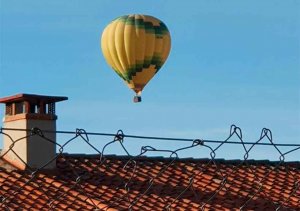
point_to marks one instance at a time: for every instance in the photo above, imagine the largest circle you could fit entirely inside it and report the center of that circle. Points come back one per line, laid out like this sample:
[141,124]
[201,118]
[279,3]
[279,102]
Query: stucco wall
[34,150]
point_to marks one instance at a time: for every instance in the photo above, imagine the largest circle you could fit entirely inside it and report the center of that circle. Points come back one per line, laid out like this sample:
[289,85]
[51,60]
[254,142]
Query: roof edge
[23,96]
[187,159]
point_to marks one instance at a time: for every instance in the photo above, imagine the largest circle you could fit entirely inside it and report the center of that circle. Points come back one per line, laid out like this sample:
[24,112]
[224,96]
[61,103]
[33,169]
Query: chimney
[27,111]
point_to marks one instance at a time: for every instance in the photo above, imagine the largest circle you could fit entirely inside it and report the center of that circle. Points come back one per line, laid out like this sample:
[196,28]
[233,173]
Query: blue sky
[231,62]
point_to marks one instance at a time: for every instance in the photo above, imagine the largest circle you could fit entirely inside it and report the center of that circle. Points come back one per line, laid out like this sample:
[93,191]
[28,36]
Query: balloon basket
[137,99]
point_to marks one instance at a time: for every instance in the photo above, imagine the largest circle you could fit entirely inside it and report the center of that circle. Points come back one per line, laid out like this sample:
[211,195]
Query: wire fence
[126,194]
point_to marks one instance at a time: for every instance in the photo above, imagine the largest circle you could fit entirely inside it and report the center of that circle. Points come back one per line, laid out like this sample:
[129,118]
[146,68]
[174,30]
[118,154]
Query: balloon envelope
[136,47]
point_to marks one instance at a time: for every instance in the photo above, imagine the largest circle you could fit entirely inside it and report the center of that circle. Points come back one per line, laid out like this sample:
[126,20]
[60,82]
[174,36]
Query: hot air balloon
[136,47]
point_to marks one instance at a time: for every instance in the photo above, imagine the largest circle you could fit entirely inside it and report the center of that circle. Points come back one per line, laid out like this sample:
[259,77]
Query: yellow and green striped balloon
[136,47]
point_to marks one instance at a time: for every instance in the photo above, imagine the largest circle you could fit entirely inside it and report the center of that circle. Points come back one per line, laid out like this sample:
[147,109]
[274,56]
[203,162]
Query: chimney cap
[32,98]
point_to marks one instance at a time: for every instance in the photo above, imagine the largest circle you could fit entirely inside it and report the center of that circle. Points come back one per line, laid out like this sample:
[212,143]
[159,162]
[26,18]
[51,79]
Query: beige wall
[20,146]
[34,150]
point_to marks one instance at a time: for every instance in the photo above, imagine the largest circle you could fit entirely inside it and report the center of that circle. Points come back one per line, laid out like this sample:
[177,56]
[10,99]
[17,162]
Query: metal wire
[153,137]
[125,194]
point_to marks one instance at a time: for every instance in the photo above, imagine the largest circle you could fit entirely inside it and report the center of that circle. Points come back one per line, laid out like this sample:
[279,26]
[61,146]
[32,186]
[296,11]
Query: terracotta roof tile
[114,183]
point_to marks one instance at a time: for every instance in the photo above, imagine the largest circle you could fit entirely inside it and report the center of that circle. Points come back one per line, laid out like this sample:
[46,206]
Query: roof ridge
[184,159]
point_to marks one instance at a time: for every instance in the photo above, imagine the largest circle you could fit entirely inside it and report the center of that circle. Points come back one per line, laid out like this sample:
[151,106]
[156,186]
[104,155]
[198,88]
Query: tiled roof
[83,182]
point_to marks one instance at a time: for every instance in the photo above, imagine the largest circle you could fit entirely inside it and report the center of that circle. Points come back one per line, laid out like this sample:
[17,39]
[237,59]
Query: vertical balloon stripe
[157,51]
[150,43]
[167,46]
[152,20]
[160,59]
[111,46]
[119,44]
[140,42]
[105,49]
[129,41]
[145,42]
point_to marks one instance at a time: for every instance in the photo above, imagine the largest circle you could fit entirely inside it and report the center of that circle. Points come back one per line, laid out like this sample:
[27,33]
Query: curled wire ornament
[36,131]
[265,134]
